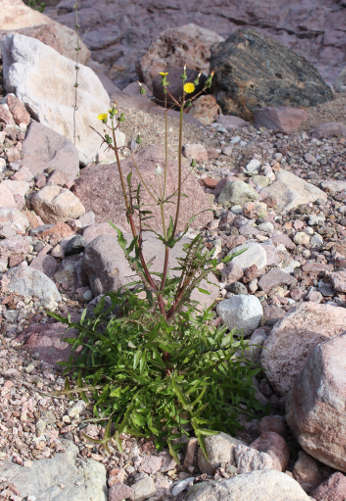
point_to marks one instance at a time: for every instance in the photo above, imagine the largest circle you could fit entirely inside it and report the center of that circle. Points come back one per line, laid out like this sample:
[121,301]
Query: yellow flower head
[103,117]
[189,87]
[163,73]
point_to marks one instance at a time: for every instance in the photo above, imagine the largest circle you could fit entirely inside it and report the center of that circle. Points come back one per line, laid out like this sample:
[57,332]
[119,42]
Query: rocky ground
[303,267]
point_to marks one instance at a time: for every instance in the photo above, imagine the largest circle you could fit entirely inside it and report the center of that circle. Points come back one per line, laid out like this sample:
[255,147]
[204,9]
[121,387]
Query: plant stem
[129,213]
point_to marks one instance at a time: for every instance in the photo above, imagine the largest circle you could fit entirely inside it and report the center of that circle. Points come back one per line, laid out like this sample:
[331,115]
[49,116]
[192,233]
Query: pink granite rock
[99,190]
[316,403]
[282,118]
[333,489]
[275,445]
[307,472]
[287,348]
[329,129]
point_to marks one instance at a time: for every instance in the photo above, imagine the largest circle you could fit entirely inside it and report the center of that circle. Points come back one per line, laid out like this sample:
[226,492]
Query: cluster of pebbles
[36,414]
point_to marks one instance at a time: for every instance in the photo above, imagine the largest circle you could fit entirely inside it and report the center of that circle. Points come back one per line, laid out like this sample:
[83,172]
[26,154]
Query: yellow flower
[103,117]
[189,87]
[163,73]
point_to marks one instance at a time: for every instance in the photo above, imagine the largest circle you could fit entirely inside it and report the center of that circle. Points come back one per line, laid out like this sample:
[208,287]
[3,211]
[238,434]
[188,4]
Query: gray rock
[274,278]
[61,478]
[44,149]
[27,281]
[241,312]
[219,449]
[143,488]
[237,192]
[257,485]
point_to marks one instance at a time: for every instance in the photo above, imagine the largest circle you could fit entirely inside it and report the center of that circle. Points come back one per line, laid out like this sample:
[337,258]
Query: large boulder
[16,16]
[99,190]
[262,485]
[189,44]
[252,70]
[316,403]
[291,340]
[44,80]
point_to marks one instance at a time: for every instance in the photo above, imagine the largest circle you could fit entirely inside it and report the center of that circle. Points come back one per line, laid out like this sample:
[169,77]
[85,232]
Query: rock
[15,15]
[231,122]
[280,118]
[219,450]
[329,129]
[48,341]
[46,150]
[18,110]
[27,281]
[237,192]
[340,83]
[338,279]
[332,489]
[6,197]
[60,37]
[189,44]
[259,485]
[205,109]
[254,254]
[252,70]
[195,152]
[241,312]
[45,263]
[52,104]
[247,459]
[64,477]
[119,492]
[289,191]
[273,423]
[273,444]
[274,278]
[306,471]
[287,347]
[316,403]
[99,190]
[143,488]
[107,269]
[13,217]
[53,203]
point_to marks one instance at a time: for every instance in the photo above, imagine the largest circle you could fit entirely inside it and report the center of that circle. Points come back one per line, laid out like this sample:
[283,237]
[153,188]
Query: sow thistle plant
[152,363]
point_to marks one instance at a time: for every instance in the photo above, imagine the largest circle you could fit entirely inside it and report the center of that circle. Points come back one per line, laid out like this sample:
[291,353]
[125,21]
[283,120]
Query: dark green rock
[252,71]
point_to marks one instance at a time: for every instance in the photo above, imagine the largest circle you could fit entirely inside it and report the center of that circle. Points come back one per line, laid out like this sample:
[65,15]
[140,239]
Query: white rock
[268,485]
[289,191]
[254,253]
[253,166]
[15,218]
[44,80]
[242,312]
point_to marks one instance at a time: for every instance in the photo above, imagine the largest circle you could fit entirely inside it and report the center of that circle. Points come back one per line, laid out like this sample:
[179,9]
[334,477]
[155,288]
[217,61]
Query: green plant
[199,387]
[36,4]
[155,365]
